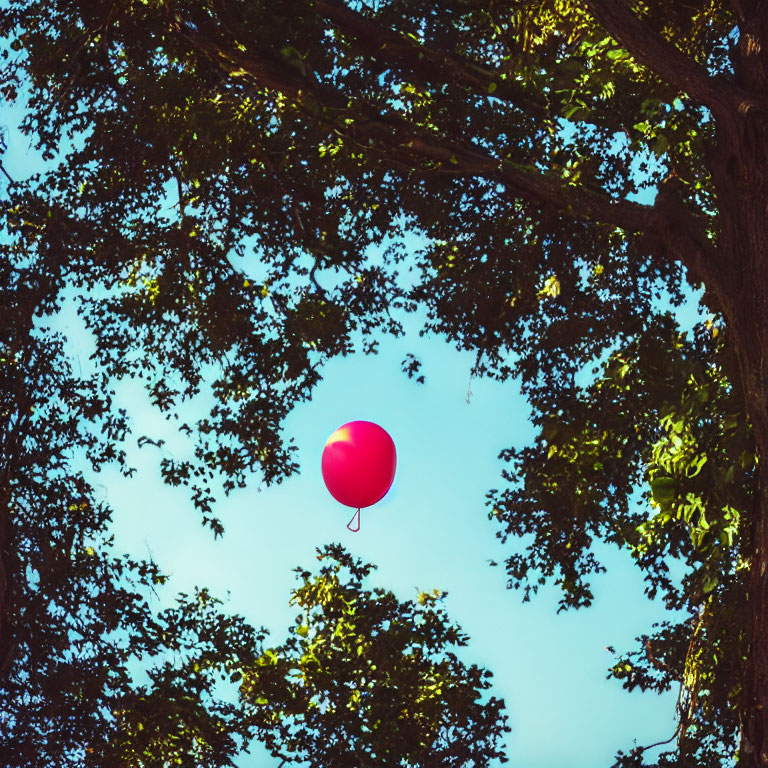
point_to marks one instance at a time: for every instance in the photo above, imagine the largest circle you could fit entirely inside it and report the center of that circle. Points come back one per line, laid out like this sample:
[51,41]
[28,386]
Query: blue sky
[430,531]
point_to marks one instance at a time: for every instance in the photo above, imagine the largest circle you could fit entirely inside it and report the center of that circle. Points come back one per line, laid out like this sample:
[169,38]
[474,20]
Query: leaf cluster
[365,679]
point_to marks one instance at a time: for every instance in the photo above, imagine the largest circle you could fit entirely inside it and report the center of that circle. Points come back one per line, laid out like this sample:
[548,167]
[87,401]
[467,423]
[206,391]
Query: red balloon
[359,461]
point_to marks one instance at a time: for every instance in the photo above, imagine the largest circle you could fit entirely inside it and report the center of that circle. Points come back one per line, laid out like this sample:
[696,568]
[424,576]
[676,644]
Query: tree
[294,136]
[78,622]
[94,674]
[366,680]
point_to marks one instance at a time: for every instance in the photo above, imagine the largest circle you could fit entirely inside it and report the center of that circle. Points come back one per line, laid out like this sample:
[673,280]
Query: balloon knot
[354,527]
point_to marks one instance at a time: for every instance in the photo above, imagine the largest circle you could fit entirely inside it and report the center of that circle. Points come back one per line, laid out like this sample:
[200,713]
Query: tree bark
[752,345]
[753,752]
[741,177]
[739,167]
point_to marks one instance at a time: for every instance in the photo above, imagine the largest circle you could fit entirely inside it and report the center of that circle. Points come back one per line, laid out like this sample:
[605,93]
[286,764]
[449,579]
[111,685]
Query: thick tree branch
[547,190]
[399,135]
[401,52]
[671,225]
[668,221]
[661,57]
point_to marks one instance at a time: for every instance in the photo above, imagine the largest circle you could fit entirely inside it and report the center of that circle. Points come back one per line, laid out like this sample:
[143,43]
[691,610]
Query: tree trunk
[754,370]
[753,751]
[752,350]
[739,170]
[741,178]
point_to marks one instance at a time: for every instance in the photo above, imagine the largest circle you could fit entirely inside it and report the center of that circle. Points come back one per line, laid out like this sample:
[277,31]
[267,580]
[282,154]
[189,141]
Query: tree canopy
[92,673]
[229,187]
[367,680]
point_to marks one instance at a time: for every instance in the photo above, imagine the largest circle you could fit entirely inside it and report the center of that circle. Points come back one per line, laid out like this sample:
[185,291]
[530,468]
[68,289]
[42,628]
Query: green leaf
[575,113]
[663,489]
[551,451]
[660,145]
[695,466]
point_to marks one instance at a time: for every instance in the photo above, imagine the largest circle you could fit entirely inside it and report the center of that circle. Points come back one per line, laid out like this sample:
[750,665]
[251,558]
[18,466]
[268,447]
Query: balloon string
[351,522]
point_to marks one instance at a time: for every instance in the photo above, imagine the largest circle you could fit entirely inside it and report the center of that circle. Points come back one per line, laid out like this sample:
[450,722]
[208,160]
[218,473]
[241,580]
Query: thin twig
[151,560]
[6,174]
